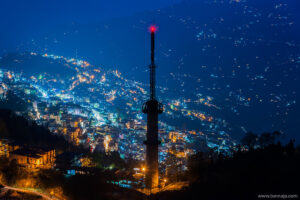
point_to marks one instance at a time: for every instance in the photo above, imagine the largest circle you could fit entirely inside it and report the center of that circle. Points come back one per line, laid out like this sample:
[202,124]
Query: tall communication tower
[152,108]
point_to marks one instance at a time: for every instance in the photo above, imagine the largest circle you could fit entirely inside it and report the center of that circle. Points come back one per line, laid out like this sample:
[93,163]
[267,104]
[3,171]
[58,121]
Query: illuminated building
[7,146]
[33,158]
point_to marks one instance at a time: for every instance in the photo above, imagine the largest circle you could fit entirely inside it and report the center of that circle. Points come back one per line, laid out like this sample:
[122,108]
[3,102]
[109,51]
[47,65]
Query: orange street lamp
[51,192]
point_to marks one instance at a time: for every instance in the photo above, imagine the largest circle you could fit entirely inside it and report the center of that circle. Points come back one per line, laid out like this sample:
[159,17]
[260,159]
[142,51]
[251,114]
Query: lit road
[169,187]
[175,186]
[4,189]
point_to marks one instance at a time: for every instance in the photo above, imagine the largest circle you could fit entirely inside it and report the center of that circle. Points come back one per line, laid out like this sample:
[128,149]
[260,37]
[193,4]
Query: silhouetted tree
[266,139]
[250,140]
[12,172]
[273,169]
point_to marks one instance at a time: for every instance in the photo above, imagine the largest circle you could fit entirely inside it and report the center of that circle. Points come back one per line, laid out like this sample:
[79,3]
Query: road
[4,188]
[169,187]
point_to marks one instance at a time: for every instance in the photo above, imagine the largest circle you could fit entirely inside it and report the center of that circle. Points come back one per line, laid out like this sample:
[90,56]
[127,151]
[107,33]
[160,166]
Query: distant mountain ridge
[35,65]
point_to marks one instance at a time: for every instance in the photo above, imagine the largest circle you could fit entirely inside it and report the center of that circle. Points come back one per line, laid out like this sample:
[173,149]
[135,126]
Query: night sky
[243,54]
[21,20]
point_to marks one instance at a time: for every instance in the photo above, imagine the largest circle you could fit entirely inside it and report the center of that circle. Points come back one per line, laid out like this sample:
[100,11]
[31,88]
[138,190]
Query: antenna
[152,29]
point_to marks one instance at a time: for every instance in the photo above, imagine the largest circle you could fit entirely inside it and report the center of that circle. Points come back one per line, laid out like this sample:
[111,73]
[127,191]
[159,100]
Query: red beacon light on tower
[152,29]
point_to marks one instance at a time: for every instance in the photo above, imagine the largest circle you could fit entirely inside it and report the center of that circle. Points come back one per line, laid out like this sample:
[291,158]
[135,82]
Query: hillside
[243,54]
[21,131]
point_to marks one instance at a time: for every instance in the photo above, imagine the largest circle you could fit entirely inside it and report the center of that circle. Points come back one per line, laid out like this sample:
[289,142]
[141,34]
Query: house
[7,146]
[34,158]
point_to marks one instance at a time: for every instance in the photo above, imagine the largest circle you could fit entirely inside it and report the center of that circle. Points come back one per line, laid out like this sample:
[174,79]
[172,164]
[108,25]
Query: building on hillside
[34,158]
[7,146]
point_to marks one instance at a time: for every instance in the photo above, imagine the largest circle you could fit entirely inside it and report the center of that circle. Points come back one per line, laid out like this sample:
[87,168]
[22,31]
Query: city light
[97,104]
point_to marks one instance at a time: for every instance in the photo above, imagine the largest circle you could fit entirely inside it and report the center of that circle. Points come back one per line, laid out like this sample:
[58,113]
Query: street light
[164,183]
[144,173]
[51,193]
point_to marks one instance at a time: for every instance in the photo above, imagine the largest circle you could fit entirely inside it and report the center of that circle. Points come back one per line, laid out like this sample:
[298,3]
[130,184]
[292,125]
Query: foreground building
[33,158]
[7,146]
[28,157]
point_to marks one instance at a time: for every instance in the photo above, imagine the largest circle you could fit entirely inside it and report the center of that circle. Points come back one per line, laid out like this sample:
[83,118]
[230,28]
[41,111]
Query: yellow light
[106,142]
[165,180]
[143,169]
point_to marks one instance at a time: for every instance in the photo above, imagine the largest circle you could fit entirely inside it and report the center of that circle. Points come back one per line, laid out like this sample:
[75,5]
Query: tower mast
[152,108]
[152,65]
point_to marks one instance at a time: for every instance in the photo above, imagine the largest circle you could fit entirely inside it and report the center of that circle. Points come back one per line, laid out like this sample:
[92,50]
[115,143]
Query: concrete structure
[28,157]
[152,108]
[7,146]
[33,158]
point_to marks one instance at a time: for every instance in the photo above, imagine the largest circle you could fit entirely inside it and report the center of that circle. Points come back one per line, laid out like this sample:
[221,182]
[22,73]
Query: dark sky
[20,19]
[32,12]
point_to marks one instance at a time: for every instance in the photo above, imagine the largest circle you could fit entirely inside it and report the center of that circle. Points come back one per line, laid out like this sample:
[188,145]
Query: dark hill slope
[20,130]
